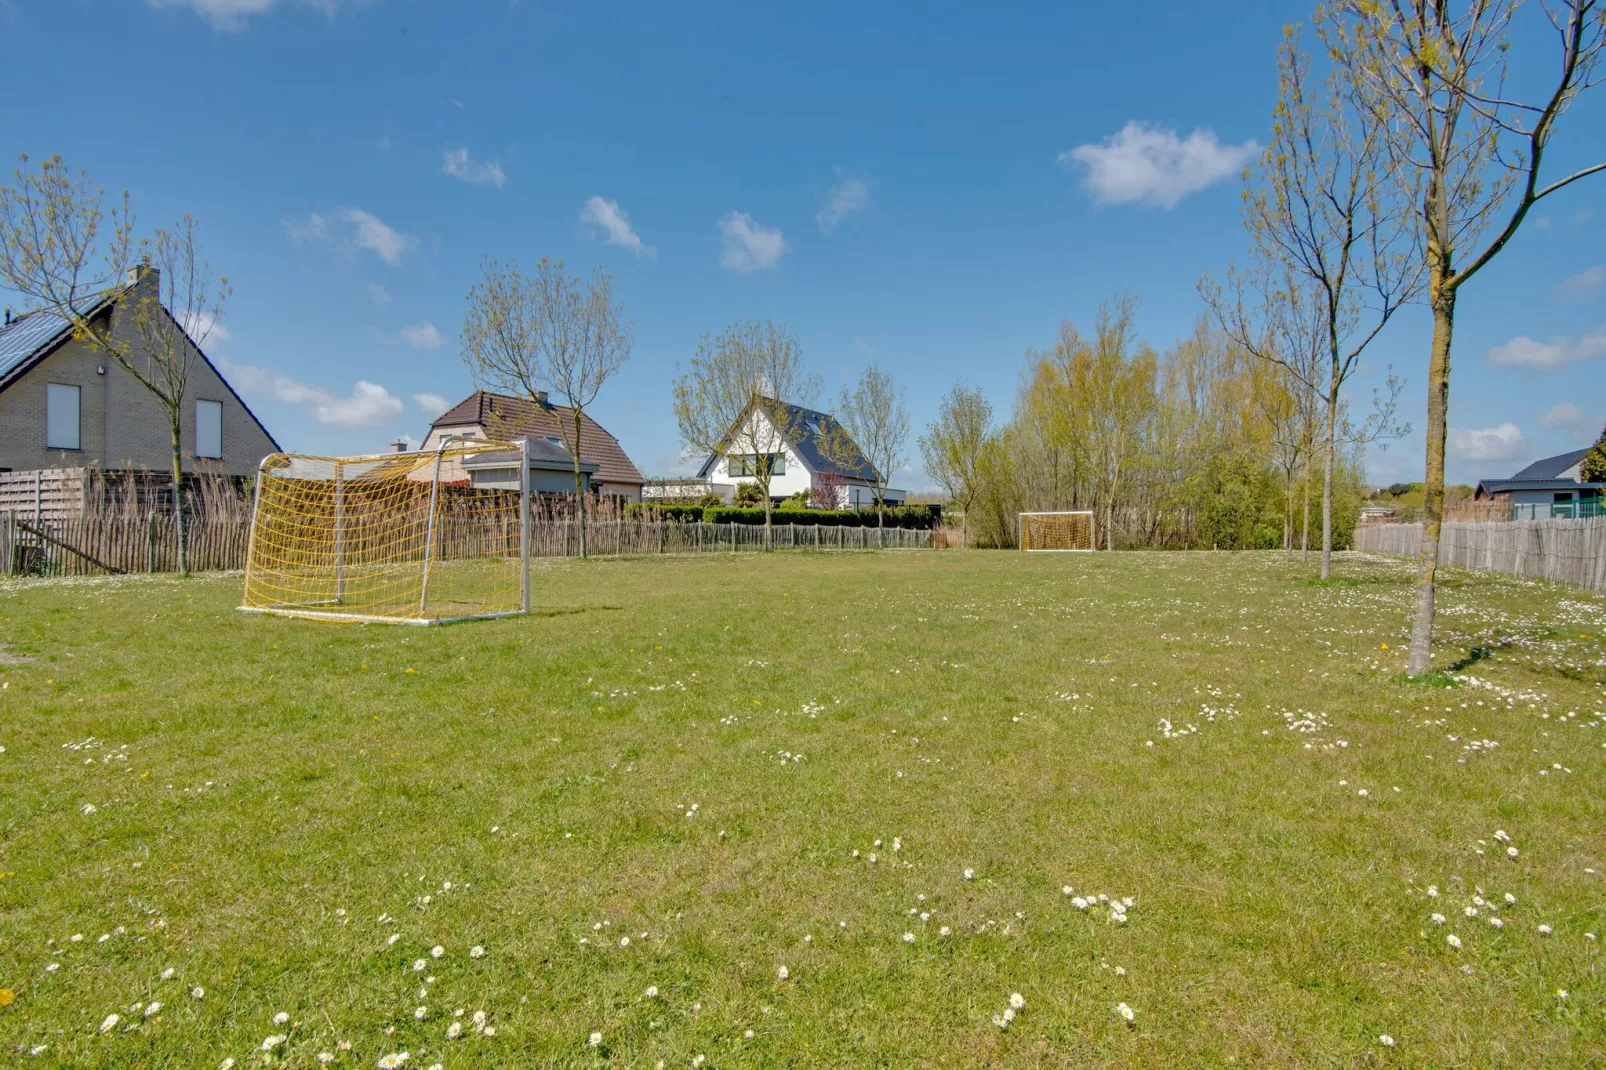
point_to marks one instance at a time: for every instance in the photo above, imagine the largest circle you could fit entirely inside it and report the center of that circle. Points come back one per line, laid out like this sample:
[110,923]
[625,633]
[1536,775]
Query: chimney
[8,315]
[138,272]
[540,399]
[400,445]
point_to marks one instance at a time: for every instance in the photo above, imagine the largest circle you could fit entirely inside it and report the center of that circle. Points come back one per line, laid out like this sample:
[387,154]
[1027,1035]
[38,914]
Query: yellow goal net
[1056,531]
[421,537]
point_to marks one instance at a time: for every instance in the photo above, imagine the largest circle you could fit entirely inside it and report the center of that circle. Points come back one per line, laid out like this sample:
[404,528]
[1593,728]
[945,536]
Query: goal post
[419,537]
[1058,532]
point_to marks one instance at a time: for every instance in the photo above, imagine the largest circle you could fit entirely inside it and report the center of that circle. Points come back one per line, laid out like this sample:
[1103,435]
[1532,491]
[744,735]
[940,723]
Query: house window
[209,429]
[1562,496]
[61,417]
[749,464]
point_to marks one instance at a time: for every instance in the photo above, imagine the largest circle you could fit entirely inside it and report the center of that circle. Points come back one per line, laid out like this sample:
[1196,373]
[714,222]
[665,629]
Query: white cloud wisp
[1148,164]
[748,246]
[614,222]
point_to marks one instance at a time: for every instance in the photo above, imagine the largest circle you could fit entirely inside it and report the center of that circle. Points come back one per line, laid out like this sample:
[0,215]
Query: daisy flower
[109,1023]
[1386,1040]
[1017,1000]
[595,1039]
[908,938]
[476,952]
[783,973]
[1124,1011]
[1453,940]
[437,951]
[1544,930]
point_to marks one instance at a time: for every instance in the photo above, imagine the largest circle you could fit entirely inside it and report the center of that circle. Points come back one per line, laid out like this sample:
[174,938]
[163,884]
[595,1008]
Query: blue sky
[900,183]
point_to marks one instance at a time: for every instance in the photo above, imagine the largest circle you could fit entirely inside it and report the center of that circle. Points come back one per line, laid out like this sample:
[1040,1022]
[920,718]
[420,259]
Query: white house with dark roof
[796,441]
[1548,488]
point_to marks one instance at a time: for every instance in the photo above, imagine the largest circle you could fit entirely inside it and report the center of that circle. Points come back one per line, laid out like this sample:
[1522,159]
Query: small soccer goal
[422,537]
[1056,531]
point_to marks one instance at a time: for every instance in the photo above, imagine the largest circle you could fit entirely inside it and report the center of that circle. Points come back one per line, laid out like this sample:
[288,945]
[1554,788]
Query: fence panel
[96,545]
[1565,551]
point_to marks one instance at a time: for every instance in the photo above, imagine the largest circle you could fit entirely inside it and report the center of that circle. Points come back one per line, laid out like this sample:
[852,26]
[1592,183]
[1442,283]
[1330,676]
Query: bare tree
[1433,74]
[1327,240]
[546,334]
[739,400]
[952,448]
[873,415]
[148,306]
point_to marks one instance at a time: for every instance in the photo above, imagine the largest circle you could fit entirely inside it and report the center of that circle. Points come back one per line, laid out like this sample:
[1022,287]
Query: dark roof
[505,416]
[1491,487]
[31,333]
[808,433]
[541,453]
[33,336]
[1552,467]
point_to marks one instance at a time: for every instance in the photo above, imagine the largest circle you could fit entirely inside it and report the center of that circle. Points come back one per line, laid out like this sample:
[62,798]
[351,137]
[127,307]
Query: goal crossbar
[1069,531]
[417,537]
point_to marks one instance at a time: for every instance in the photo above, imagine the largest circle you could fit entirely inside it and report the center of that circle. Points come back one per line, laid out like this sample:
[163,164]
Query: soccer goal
[1056,531]
[422,537]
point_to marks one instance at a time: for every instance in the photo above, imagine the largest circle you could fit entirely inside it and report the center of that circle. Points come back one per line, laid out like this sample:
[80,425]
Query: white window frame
[56,394]
[200,407]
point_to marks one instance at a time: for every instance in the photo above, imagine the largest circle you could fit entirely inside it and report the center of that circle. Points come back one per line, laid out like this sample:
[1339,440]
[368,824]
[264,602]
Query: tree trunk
[1327,473]
[964,530]
[579,495]
[1443,304]
[178,498]
[769,534]
[1304,538]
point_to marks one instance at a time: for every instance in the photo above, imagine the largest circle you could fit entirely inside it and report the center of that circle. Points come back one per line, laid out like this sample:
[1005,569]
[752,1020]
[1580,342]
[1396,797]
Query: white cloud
[423,336]
[459,165]
[378,294]
[232,15]
[747,245]
[1501,443]
[615,223]
[366,231]
[204,329]
[431,405]
[1586,284]
[850,194]
[369,404]
[1147,164]
[1565,416]
[1524,352]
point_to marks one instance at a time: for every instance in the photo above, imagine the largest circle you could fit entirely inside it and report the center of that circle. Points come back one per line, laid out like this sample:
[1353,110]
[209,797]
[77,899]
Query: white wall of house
[761,431]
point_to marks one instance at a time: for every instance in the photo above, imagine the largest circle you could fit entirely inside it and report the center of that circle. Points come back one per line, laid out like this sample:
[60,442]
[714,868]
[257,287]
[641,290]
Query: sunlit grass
[702,755]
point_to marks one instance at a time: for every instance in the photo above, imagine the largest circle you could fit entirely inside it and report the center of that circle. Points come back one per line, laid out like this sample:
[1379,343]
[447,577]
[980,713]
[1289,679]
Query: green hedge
[902,517]
[682,513]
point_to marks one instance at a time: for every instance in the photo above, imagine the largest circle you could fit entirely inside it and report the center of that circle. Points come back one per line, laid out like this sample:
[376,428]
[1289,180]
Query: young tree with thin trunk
[65,251]
[1326,240]
[952,448]
[873,415]
[1467,154]
[547,334]
[739,400]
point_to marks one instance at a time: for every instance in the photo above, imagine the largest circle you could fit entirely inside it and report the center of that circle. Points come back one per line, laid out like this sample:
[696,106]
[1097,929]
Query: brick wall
[120,424]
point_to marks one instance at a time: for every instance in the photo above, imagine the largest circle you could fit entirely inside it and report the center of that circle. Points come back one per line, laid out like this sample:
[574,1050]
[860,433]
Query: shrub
[649,511]
[916,516]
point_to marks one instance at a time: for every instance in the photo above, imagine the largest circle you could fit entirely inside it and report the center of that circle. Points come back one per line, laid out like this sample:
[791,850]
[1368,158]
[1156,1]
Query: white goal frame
[1092,532]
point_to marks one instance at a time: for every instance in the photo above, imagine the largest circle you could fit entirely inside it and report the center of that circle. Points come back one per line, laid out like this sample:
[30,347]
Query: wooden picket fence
[87,546]
[1565,551]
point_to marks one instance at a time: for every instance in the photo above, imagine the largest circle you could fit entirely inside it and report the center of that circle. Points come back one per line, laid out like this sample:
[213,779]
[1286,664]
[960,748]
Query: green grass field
[919,782]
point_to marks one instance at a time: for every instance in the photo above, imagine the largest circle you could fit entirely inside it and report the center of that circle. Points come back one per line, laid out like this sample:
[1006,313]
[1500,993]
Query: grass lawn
[919,782]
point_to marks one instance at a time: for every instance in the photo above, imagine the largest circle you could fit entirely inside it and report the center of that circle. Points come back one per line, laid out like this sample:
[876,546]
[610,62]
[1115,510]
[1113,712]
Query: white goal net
[420,537]
[1056,531]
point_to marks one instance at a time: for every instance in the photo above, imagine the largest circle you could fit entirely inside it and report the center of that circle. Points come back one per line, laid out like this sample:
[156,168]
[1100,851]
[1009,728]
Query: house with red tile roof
[505,417]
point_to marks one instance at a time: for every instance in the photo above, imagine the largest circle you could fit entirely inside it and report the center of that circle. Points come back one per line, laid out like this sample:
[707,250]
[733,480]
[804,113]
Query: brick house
[64,405]
[606,469]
